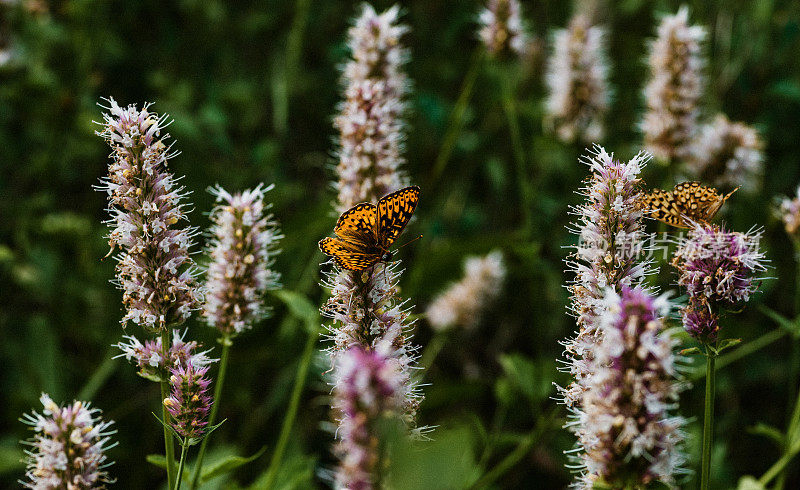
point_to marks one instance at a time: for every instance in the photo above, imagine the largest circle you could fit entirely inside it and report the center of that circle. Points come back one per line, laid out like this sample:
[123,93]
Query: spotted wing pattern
[365,231]
[688,201]
[347,255]
[394,212]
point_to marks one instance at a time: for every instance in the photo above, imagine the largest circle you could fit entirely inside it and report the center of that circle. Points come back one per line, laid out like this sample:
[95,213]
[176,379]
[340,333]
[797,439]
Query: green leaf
[769,432]
[300,307]
[691,351]
[749,483]
[727,344]
[525,376]
[160,461]
[791,326]
[228,464]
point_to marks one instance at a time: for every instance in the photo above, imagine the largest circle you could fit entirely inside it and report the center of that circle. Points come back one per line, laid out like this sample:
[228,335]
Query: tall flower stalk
[242,250]
[577,81]
[69,447]
[368,319]
[627,434]
[154,268]
[718,269]
[611,238]
[674,89]
[370,121]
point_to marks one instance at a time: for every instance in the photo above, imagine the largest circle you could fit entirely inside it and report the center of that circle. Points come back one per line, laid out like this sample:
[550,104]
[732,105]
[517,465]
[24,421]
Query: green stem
[291,414]
[223,368]
[169,442]
[708,419]
[456,120]
[184,447]
[509,105]
[432,350]
[779,465]
[514,457]
[742,351]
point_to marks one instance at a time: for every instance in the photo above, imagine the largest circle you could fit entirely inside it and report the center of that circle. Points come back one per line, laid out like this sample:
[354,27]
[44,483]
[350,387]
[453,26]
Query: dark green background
[241,117]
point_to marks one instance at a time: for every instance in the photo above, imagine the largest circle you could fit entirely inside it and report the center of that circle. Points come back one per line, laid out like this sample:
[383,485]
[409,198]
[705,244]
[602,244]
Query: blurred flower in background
[461,304]
[728,155]
[789,212]
[675,87]
[68,449]
[242,251]
[577,81]
[502,31]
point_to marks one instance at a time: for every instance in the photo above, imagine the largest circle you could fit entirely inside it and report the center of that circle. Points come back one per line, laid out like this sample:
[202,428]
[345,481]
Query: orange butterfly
[687,201]
[365,232]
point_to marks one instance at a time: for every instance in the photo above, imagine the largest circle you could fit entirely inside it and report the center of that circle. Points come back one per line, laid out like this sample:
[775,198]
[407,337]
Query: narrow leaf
[228,464]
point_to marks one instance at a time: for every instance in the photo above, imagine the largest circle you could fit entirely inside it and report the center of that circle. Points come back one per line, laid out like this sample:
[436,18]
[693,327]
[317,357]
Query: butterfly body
[365,232]
[688,202]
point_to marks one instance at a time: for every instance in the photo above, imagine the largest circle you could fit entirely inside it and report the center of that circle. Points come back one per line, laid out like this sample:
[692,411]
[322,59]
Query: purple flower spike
[148,356]
[368,385]
[189,402]
[154,269]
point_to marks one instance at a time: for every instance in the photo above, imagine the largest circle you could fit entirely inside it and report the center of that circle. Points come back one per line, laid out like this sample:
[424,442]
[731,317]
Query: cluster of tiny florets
[154,268]
[461,303]
[242,252]
[789,213]
[577,82]
[189,402]
[611,240]
[502,31]
[68,449]
[370,384]
[727,154]
[718,269]
[149,356]
[370,120]
[627,435]
[675,87]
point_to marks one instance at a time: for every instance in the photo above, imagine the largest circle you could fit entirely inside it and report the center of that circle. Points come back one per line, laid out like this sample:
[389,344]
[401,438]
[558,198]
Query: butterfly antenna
[730,194]
[410,241]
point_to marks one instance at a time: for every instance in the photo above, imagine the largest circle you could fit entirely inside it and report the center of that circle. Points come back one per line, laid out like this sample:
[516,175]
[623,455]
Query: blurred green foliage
[252,86]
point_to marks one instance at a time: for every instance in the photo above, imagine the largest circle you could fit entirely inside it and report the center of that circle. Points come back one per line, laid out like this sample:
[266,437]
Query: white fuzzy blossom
[577,81]
[675,87]
[68,448]
[148,356]
[370,121]
[154,269]
[242,252]
[462,303]
[728,154]
[627,434]
[502,31]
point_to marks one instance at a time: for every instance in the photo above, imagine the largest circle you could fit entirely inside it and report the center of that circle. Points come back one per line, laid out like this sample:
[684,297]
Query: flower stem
[169,443]
[510,107]
[457,116]
[291,413]
[223,367]
[184,446]
[708,419]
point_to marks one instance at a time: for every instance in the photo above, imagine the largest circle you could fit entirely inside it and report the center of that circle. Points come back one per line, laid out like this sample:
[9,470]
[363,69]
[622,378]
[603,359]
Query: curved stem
[291,413]
[169,442]
[514,457]
[708,420]
[223,367]
[184,446]
[431,351]
[456,120]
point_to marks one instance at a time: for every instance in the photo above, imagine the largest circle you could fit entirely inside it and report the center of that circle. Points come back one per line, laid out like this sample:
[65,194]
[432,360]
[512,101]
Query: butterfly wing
[394,212]
[663,206]
[347,255]
[358,221]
